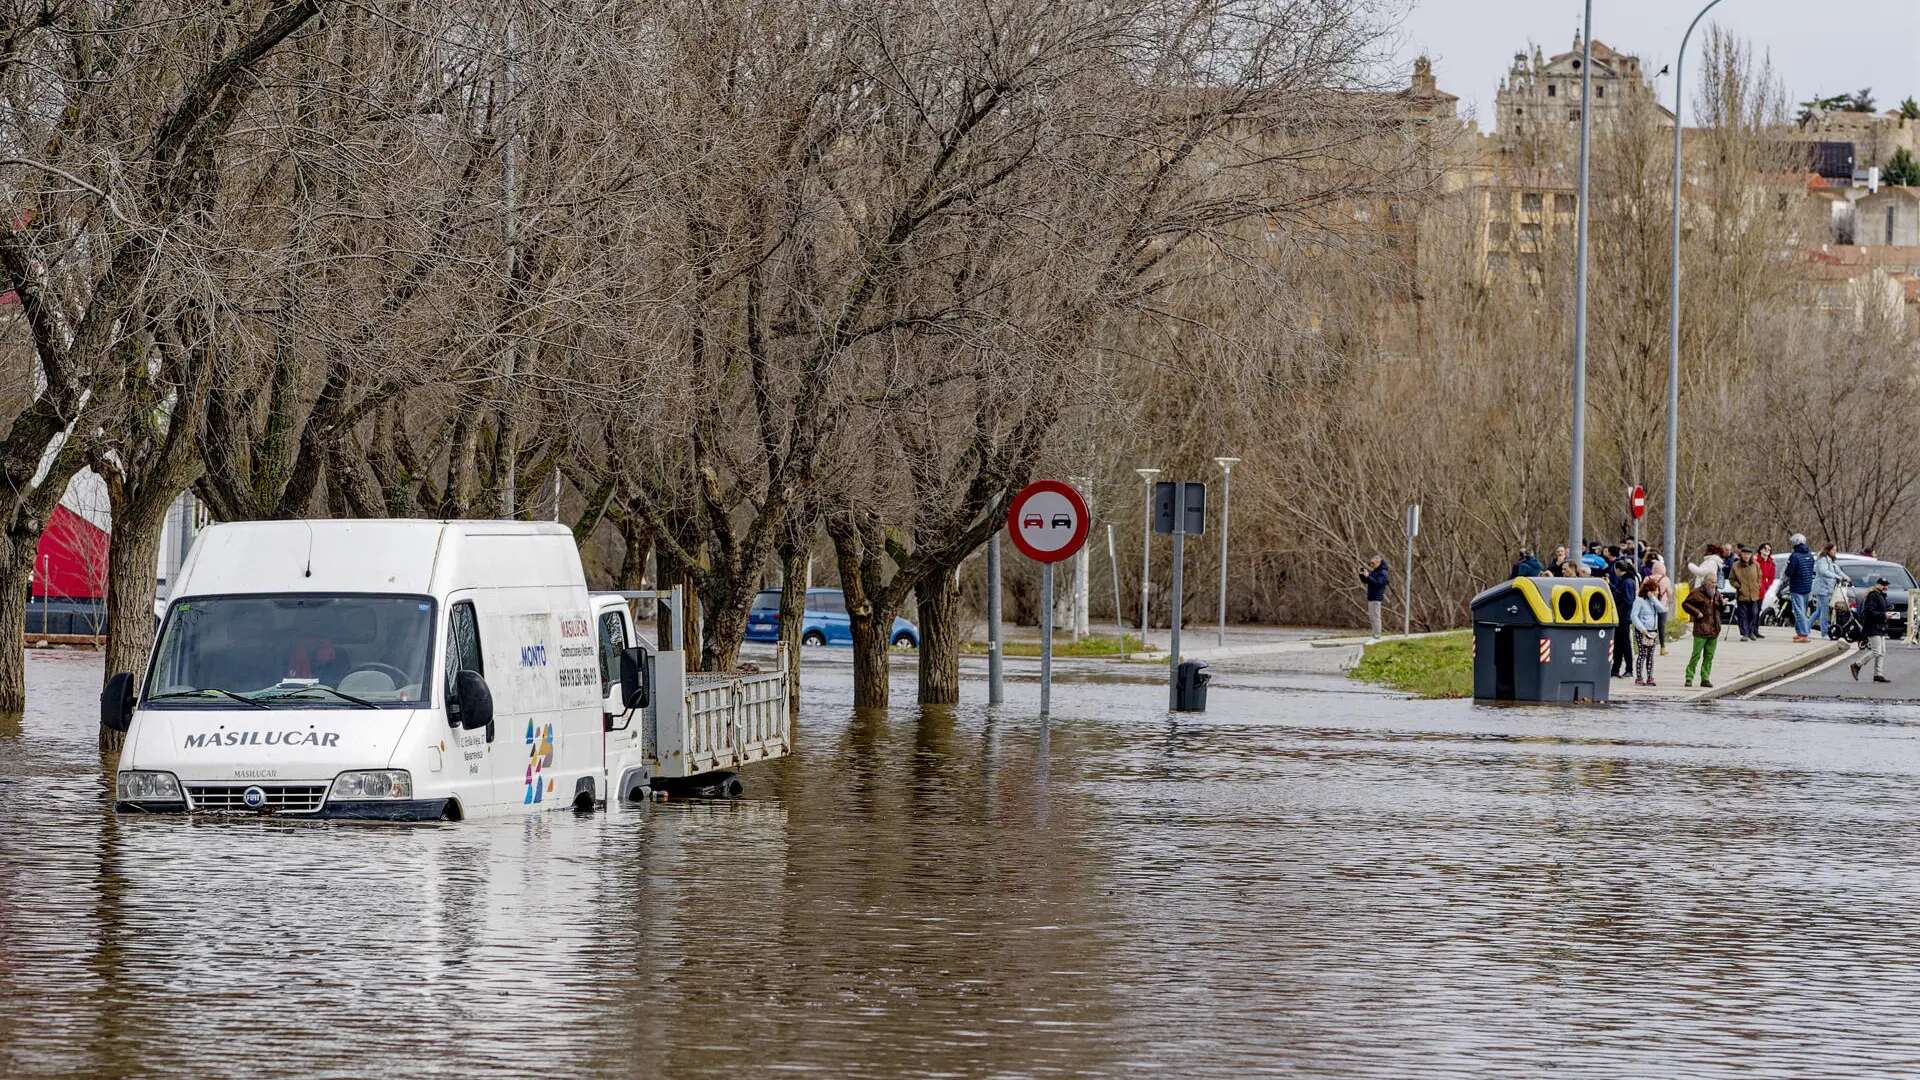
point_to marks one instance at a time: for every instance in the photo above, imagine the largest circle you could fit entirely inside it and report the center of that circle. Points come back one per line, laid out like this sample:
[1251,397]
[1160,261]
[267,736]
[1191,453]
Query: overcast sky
[1816,47]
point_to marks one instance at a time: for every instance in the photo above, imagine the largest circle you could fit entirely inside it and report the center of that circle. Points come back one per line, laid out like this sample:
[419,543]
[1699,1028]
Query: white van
[500,683]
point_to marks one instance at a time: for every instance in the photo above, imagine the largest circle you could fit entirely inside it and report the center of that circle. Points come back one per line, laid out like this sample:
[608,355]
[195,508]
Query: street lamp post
[1226,505]
[1576,493]
[1146,544]
[1669,500]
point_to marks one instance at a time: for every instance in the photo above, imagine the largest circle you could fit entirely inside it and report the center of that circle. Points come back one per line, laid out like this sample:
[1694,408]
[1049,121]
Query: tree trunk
[668,572]
[132,555]
[16,570]
[727,624]
[636,543]
[793,613]
[870,668]
[940,631]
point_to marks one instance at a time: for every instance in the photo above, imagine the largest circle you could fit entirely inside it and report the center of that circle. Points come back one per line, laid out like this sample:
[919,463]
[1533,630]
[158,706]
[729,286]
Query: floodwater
[1310,879]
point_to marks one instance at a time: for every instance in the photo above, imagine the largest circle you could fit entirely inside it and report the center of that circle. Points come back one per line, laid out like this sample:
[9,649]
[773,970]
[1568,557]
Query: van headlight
[139,785]
[372,784]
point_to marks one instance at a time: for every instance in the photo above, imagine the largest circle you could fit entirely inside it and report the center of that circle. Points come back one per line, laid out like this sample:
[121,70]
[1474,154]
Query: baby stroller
[1841,621]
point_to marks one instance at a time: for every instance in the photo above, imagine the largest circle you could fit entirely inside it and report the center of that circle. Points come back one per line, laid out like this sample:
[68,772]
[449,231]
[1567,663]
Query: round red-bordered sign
[1048,521]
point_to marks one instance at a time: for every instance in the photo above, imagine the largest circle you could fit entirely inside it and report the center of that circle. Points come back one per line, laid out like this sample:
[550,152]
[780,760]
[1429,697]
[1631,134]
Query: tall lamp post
[1576,493]
[1146,543]
[1226,505]
[1669,500]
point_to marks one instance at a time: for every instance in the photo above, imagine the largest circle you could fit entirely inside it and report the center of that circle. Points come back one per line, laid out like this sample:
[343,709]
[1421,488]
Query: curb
[1772,672]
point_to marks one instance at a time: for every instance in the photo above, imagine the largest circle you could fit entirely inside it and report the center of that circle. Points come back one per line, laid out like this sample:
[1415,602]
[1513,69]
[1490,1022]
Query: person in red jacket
[1768,571]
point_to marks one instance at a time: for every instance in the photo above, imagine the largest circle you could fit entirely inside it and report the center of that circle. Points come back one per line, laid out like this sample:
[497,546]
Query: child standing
[1648,614]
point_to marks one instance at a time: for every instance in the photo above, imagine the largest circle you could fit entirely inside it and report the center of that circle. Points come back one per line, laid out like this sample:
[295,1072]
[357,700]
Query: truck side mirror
[633,678]
[476,701]
[116,702]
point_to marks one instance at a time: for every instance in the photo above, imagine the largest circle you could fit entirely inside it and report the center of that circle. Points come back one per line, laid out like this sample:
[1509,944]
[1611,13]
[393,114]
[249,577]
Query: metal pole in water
[1146,545]
[996,691]
[1173,608]
[1226,505]
[1046,638]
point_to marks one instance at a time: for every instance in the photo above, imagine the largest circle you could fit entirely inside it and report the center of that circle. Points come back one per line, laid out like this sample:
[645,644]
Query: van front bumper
[368,810]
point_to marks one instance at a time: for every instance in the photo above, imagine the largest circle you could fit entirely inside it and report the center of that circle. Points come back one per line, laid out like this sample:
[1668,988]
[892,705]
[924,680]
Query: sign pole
[996,688]
[1047,522]
[1046,638]
[1179,556]
[1406,585]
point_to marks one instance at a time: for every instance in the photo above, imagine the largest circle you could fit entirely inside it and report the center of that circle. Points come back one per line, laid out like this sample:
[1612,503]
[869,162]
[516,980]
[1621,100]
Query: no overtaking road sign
[1048,521]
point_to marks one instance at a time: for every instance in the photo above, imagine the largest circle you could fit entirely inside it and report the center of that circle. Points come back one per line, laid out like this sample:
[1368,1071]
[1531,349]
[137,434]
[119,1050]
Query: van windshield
[293,651]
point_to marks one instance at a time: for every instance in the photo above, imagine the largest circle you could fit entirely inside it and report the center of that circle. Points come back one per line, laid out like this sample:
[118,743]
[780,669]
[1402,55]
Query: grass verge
[1430,667]
[1095,645]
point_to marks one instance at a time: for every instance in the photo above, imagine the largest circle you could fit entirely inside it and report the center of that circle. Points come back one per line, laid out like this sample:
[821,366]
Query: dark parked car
[824,622]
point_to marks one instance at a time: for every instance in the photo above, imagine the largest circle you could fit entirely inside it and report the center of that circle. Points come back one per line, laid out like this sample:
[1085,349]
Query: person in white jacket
[1707,570]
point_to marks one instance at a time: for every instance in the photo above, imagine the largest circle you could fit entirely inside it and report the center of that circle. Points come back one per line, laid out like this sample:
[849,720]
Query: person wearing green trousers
[1704,609]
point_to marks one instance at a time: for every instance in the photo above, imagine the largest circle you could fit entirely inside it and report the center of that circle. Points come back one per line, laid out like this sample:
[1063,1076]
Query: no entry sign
[1048,521]
[1637,500]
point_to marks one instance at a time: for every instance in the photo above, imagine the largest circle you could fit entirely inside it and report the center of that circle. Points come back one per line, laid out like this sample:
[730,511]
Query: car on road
[823,623]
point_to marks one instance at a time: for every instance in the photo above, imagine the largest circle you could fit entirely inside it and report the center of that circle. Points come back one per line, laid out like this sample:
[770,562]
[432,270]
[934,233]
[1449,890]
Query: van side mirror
[634,688]
[476,701]
[116,702]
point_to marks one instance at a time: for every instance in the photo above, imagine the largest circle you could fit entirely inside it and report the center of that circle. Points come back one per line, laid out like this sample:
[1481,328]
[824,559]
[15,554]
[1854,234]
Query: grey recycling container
[1543,639]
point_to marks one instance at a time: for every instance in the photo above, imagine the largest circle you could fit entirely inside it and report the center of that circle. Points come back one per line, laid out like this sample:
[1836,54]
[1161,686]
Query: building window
[1530,236]
[1600,91]
[1889,225]
[1551,88]
[1496,264]
[1780,202]
[1563,204]
[1499,231]
[1530,200]
[1573,115]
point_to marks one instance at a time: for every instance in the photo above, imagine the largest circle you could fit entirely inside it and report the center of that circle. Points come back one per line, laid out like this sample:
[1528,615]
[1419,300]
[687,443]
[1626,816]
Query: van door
[625,728]
[830,606]
[472,760]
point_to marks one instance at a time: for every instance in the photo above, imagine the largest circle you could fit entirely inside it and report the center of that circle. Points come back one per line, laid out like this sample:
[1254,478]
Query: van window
[463,648]
[613,641]
[306,651]
[828,602]
[767,602]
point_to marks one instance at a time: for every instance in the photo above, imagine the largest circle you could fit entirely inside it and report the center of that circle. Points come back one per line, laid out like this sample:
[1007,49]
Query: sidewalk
[1737,665]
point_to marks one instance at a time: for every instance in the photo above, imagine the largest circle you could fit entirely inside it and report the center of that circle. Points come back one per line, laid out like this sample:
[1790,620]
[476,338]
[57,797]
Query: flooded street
[1311,879]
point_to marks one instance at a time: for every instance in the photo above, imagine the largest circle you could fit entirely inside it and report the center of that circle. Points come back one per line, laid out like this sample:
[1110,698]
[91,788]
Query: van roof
[386,555]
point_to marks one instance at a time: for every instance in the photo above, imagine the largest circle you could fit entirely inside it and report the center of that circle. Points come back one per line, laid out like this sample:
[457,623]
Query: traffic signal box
[1543,639]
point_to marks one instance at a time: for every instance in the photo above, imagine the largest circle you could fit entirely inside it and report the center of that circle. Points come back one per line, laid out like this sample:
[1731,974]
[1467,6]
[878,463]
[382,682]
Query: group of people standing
[1637,578]
[1815,586]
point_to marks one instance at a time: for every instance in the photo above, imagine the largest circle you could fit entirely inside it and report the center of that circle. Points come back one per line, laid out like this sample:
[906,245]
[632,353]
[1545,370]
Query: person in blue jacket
[1799,584]
[1375,579]
[1528,565]
[1624,584]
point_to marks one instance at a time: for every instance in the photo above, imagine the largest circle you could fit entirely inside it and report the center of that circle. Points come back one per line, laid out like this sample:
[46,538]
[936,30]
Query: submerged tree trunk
[16,574]
[132,556]
[793,613]
[870,660]
[940,631]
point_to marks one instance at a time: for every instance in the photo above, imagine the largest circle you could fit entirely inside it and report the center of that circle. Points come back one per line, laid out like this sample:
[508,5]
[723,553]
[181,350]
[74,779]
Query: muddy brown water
[1309,879]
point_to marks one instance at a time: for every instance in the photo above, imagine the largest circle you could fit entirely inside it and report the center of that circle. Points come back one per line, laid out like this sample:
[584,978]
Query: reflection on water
[1308,878]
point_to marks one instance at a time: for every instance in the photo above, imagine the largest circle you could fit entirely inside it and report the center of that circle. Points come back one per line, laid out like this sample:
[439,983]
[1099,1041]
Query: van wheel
[813,637]
[904,641]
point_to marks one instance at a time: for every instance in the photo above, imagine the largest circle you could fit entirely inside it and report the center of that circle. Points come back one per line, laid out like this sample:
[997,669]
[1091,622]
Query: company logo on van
[574,627]
[261,738]
[533,655]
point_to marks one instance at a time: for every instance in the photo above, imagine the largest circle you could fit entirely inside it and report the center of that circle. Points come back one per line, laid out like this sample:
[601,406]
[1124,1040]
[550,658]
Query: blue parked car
[824,623]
